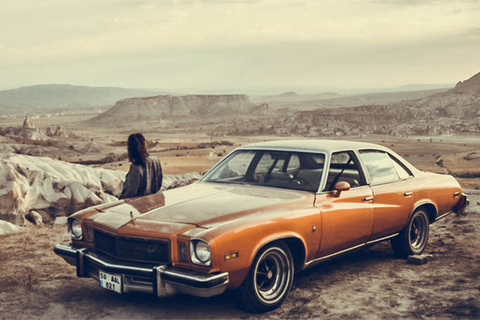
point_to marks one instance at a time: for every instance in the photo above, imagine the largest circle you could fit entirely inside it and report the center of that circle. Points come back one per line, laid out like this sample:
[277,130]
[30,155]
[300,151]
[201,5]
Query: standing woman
[145,174]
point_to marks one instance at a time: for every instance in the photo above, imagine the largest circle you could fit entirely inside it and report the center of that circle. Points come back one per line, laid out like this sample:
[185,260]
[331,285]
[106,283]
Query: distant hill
[463,101]
[423,87]
[63,97]
[456,110]
[287,98]
[158,108]
[295,101]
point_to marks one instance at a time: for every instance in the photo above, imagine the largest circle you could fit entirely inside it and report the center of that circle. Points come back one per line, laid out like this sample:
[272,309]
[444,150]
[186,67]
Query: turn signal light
[182,251]
[231,255]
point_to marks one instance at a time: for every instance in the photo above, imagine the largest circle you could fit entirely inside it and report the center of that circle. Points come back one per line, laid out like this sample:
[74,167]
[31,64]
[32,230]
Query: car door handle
[370,198]
[407,194]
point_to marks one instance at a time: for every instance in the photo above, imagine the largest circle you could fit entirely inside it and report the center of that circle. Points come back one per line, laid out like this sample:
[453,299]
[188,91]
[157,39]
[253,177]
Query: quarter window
[380,167]
[403,173]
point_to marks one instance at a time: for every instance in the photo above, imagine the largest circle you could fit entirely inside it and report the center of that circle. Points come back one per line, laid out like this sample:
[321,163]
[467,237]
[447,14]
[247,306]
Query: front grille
[157,251]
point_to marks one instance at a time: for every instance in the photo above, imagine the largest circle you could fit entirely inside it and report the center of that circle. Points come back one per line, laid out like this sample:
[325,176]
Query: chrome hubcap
[272,275]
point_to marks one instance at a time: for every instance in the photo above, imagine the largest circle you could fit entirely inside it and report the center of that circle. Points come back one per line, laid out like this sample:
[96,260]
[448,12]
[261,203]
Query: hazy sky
[194,45]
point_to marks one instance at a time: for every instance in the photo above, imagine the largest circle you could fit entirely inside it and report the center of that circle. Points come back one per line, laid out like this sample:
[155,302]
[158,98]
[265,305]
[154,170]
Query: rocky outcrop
[39,189]
[28,123]
[59,132]
[52,187]
[23,134]
[160,107]
[470,86]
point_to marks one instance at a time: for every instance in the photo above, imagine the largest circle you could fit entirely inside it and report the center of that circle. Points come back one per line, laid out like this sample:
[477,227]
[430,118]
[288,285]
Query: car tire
[414,237]
[269,280]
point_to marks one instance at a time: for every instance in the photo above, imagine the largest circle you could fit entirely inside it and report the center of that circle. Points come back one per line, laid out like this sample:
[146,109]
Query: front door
[348,217]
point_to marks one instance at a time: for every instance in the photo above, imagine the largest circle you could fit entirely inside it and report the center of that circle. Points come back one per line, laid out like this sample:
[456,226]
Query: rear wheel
[414,237]
[269,279]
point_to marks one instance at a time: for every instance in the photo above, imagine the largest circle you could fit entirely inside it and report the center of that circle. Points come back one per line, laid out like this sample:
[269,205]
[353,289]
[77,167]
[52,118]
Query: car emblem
[150,250]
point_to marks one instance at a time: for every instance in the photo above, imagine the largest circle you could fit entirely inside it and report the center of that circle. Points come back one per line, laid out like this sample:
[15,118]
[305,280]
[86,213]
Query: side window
[380,167]
[343,167]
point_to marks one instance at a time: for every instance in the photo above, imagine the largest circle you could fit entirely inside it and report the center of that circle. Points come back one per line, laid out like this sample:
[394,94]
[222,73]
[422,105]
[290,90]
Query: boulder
[35,218]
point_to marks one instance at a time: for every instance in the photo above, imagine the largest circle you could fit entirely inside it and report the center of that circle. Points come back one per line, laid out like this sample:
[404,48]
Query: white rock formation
[60,188]
[56,188]
[28,123]
[7,227]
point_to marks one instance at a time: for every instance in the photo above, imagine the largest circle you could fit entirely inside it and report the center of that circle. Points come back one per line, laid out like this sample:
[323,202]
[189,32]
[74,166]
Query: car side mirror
[339,187]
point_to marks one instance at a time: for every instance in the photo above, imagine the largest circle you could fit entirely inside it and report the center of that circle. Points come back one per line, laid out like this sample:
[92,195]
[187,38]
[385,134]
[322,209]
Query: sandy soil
[371,284]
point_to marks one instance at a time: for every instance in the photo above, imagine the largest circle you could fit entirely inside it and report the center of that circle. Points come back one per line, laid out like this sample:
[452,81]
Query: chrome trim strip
[118,266]
[383,239]
[333,254]
[179,274]
[314,261]
[444,215]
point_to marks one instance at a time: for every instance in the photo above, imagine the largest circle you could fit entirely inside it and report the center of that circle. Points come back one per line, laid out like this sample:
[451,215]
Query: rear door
[393,198]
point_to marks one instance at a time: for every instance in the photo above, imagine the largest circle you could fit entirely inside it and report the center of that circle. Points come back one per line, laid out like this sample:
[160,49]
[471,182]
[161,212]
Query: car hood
[197,205]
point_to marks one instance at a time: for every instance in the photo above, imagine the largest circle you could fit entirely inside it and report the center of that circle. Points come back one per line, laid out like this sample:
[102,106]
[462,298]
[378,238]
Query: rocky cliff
[164,106]
[470,86]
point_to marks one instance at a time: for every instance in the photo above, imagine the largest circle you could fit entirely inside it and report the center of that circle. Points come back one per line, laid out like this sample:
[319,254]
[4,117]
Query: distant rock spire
[59,132]
[28,123]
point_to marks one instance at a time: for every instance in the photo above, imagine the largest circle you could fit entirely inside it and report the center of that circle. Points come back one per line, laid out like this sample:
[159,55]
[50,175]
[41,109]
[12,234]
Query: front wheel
[413,238]
[269,279]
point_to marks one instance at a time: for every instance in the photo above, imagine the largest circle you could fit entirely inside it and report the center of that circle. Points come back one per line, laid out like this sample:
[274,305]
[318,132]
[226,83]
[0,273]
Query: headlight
[200,252]
[75,229]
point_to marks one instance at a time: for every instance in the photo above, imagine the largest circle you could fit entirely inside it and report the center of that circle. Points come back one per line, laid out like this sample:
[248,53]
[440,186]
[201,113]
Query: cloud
[241,41]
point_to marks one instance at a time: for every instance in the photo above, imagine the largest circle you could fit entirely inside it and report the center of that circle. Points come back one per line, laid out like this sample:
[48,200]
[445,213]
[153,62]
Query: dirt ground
[371,284]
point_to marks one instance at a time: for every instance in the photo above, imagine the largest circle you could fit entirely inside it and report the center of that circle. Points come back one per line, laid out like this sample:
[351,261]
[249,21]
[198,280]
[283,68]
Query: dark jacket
[143,180]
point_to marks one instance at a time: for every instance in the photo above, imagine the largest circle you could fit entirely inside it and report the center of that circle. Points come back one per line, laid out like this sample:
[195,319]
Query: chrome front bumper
[160,280]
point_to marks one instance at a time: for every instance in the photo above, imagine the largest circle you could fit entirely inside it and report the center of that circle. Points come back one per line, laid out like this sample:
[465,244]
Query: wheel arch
[294,244]
[429,207]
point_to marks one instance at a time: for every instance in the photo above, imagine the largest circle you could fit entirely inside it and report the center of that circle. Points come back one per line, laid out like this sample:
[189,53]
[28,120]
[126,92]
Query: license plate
[110,281]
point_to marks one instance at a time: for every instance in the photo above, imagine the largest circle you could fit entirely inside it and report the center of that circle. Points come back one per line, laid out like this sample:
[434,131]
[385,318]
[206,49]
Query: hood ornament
[131,217]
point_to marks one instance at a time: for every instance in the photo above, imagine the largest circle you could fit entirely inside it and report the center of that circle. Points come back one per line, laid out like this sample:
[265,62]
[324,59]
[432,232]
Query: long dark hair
[137,149]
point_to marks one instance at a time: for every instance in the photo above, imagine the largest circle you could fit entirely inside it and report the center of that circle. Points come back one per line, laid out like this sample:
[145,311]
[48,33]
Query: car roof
[319,145]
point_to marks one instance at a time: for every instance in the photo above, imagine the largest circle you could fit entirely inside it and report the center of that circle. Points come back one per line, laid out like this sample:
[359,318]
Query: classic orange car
[264,212]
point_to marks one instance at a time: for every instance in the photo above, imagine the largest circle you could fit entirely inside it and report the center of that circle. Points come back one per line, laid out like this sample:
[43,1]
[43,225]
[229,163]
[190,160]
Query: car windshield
[279,169]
